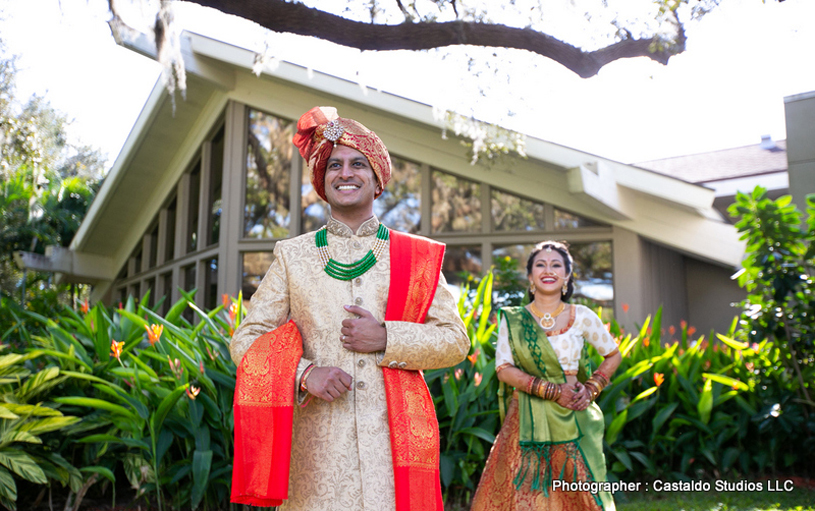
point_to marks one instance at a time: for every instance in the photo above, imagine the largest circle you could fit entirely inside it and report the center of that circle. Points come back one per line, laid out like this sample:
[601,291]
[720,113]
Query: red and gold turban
[320,129]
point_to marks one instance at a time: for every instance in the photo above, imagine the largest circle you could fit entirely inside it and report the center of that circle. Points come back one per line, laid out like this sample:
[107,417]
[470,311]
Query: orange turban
[320,129]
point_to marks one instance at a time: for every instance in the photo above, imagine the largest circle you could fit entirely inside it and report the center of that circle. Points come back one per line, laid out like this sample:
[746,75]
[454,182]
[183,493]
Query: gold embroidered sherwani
[341,455]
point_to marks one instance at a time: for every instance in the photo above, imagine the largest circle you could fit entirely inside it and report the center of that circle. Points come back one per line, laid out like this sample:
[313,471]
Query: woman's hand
[574,396]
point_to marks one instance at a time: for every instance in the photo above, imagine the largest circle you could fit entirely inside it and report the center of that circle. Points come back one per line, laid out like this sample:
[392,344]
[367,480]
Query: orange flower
[683,324]
[646,341]
[671,329]
[226,300]
[458,373]
[755,347]
[625,307]
[477,379]
[691,330]
[85,306]
[474,357]
[192,391]
[116,348]
[201,367]
[154,333]
[659,378]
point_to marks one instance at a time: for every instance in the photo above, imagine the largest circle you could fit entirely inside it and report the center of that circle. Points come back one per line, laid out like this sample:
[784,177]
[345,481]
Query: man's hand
[363,334]
[328,383]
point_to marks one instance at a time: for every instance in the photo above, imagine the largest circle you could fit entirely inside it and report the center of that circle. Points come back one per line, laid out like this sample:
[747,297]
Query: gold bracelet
[558,391]
[303,378]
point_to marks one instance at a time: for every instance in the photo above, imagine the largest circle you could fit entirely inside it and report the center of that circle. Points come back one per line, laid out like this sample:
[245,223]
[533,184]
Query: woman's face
[548,272]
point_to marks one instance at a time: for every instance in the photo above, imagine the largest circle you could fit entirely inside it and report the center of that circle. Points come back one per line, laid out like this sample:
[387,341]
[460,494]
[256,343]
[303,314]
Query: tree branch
[296,18]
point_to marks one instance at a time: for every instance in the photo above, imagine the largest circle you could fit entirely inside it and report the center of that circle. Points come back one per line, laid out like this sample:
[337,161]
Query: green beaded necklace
[342,271]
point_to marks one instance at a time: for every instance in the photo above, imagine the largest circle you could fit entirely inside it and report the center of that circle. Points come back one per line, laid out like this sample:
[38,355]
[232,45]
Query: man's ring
[342,338]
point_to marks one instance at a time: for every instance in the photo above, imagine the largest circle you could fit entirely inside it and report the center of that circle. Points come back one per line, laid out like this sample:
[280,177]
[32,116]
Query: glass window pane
[513,213]
[565,220]
[510,283]
[460,262]
[169,240]
[195,195]
[215,187]
[268,176]
[315,209]
[211,284]
[456,204]
[153,256]
[137,259]
[255,266]
[399,205]
[593,271]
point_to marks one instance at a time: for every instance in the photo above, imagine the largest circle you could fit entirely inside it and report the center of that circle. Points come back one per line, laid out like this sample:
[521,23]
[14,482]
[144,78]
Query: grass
[798,499]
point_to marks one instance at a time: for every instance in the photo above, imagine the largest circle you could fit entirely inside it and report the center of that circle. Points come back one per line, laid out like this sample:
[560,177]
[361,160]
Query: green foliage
[778,277]
[466,399]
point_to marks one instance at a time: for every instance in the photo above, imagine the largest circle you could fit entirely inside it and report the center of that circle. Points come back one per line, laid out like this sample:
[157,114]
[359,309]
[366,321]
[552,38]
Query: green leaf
[201,464]
[19,436]
[47,424]
[8,488]
[32,410]
[130,442]
[23,465]
[102,471]
[98,403]
[661,416]
[736,345]
[615,427]
[165,406]
[726,381]
[706,402]
[479,432]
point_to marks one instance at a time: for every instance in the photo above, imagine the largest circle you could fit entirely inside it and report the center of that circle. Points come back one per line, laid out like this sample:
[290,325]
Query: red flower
[659,378]
[625,307]
[671,329]
[458,373]
[85,306]
[755,347]
[646,341]
[691,330]
[477,379]
[226,299]
[683,324]
[192,391]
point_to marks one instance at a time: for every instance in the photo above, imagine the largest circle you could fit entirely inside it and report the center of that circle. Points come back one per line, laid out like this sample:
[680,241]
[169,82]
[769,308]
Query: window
[255,266]
[153,255]
[565,220]
[211,283]
[513,213]
[267,210]
[192,212]
[399,205]
[169,240]
[460,262]
[216,178]
[456,204]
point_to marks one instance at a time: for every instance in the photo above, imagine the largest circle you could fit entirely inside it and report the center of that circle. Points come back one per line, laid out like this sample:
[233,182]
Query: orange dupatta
[264,396]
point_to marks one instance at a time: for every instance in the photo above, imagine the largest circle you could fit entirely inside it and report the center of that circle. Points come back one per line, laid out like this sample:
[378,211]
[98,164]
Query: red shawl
[264,395]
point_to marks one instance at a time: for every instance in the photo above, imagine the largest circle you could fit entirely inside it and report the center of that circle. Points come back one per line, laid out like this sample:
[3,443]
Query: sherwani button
[358,281]
[402,365]
[357,245]
[393,364]
[361,363]
[358,300]
[361,385]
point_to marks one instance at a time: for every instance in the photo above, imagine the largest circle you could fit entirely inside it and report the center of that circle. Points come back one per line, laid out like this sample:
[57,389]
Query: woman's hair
[563,249]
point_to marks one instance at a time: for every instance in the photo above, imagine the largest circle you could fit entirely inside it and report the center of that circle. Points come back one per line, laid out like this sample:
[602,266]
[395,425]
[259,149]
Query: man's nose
[346,170]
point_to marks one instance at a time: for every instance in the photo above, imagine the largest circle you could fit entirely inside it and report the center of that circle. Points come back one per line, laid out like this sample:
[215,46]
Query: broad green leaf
[102,471]
[19,436]
[8,488]
[5,413]
[165,406]
[201,464]
[706,402]
[645,393]
[47,424]
[661,417]
[33,410]
[479,432]
[130,442]
[98,403]
[23,465]
[726,381]
[615,427]
[736,345]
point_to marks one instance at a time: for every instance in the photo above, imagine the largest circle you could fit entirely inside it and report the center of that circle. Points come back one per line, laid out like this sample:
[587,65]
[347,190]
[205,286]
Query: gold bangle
[558,391]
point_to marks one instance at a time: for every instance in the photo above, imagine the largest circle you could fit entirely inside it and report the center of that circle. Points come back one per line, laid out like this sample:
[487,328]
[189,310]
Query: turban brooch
[320,129]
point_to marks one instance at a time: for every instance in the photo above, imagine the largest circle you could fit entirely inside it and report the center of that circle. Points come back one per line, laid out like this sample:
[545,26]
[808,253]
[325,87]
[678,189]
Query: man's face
[350,182]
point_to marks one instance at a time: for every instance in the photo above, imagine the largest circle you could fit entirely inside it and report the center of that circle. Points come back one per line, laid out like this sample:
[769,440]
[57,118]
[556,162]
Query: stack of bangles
[546,390]
[596,383]
[308,370]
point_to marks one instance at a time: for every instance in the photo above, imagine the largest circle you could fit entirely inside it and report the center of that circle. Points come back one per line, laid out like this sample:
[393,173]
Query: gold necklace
[547,321]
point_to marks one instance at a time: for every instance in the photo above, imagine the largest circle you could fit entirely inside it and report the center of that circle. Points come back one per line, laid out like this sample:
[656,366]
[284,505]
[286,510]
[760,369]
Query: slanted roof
[737,162]
[659,207]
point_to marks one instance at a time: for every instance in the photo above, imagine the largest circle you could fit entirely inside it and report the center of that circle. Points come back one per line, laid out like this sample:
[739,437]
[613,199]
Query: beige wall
[800,117]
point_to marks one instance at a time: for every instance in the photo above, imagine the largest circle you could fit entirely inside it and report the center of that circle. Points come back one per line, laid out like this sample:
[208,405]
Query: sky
[726,90]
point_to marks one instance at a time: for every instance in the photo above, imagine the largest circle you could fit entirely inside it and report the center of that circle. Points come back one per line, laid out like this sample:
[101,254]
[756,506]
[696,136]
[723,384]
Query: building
[205,185]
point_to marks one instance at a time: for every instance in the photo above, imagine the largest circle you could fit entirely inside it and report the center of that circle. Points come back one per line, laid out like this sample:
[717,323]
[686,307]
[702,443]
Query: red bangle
[308,370]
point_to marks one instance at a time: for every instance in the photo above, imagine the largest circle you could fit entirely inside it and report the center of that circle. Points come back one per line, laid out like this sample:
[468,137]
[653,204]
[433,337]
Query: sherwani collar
[337,228]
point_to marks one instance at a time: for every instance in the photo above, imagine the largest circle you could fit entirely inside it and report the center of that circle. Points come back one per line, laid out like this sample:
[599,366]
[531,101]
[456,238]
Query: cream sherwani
[341,455]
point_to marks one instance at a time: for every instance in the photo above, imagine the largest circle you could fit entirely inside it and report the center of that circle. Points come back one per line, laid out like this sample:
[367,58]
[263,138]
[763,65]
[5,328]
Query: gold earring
[532,288]
[565,288]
